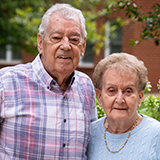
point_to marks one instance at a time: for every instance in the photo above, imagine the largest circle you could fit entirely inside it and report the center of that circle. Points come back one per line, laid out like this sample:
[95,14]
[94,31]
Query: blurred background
[131,26]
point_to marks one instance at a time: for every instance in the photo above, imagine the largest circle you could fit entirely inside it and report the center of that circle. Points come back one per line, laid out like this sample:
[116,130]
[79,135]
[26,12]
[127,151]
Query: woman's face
[119,95]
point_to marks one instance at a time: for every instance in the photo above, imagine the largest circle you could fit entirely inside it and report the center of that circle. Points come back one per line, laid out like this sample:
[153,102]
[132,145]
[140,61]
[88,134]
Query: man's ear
[98,94]
[83,47]
[39,43]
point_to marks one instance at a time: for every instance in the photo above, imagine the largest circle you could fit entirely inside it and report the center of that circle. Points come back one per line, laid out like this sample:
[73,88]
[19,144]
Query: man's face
[62,46]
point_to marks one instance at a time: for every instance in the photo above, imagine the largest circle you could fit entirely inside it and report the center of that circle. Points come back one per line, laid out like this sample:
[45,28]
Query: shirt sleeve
[158,145]
[93,107]
[1,102]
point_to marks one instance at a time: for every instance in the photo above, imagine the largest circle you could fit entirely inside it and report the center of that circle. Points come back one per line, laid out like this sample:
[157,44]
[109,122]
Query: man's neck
[63,81]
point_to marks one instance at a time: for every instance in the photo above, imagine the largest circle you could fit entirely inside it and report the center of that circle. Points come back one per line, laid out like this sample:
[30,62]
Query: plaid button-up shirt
[38,121]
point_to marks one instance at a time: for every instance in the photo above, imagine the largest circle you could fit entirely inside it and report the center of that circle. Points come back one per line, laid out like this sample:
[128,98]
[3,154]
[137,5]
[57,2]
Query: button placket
[65,98]
[64,144]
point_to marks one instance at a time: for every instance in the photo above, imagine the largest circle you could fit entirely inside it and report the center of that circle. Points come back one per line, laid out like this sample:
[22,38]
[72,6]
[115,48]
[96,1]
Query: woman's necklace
[124,142]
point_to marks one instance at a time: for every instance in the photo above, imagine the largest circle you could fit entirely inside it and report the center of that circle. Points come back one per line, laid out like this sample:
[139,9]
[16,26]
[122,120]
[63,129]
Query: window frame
[9,57]
[108,42]
[84,64]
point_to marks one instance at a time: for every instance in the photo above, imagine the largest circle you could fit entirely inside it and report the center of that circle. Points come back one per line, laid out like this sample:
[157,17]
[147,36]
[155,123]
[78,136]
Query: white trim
[9,57]
[85,65]
[8,53]
[107,42]
[13,62]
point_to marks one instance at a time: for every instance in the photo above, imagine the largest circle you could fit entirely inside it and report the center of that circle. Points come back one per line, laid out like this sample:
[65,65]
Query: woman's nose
[120,98]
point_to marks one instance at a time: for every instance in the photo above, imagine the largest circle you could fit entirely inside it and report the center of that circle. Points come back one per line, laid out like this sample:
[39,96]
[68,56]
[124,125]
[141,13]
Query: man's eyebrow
[75,34]
[59,32]
[55,31]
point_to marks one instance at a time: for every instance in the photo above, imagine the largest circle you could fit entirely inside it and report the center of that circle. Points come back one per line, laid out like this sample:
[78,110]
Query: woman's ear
[98,94]
[141,95]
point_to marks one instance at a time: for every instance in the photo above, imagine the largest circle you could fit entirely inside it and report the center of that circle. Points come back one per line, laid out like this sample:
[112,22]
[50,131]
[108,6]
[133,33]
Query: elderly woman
[123,134]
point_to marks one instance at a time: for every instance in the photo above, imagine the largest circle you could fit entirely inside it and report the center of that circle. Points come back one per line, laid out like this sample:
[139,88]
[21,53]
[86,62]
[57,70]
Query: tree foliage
[19,22]
[150,19]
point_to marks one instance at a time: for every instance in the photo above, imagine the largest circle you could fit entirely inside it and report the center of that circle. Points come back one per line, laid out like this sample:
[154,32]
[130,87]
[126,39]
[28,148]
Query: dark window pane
[2,52]
[116,42]
[88,55]
[16,56]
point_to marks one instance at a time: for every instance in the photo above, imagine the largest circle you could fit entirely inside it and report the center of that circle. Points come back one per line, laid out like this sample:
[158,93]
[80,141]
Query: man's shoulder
[80,74]
[97,126]
[17,69]
[83,79]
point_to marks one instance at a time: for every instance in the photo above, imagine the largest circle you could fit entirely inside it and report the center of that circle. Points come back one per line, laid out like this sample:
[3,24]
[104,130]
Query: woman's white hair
[65,10]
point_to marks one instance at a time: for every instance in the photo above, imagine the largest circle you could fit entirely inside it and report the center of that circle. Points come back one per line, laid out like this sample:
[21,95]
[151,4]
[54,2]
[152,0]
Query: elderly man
[46,106]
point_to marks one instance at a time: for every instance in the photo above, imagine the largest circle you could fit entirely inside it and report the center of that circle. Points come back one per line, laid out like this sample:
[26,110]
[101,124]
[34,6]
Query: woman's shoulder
[97,125]
[98,121]
[152,123]
[151,120]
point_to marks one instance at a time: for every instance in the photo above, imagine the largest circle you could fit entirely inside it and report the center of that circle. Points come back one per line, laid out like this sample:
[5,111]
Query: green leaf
[132,42]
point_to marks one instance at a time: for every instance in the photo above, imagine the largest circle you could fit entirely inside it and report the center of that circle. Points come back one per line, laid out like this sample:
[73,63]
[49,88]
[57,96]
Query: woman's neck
[122,126]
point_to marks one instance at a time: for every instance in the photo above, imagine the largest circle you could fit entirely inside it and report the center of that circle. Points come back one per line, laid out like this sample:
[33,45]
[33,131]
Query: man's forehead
[57,16]
[59,25]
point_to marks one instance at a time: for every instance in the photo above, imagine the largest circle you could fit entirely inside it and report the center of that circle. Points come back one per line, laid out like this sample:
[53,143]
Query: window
[7,56]
[87,60]
[113,44]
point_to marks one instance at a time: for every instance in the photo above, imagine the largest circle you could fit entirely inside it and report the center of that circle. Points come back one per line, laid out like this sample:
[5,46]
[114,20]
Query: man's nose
[65,44]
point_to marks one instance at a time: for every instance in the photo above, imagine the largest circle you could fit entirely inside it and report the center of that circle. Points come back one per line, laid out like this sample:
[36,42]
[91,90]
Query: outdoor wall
[27,57]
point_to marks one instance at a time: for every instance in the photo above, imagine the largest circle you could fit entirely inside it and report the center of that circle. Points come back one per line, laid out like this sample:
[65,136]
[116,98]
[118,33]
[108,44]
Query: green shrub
[100,110]
[150,105]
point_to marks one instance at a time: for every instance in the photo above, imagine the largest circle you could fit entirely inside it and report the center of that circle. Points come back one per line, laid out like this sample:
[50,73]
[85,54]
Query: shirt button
[64,120]
[64,144]
[54,83]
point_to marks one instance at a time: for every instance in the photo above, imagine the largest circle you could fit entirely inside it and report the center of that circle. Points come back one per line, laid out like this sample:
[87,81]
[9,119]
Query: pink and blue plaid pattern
[40,122]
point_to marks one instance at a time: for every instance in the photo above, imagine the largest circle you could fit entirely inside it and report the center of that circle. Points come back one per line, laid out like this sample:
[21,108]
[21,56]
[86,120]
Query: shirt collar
[40,72]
